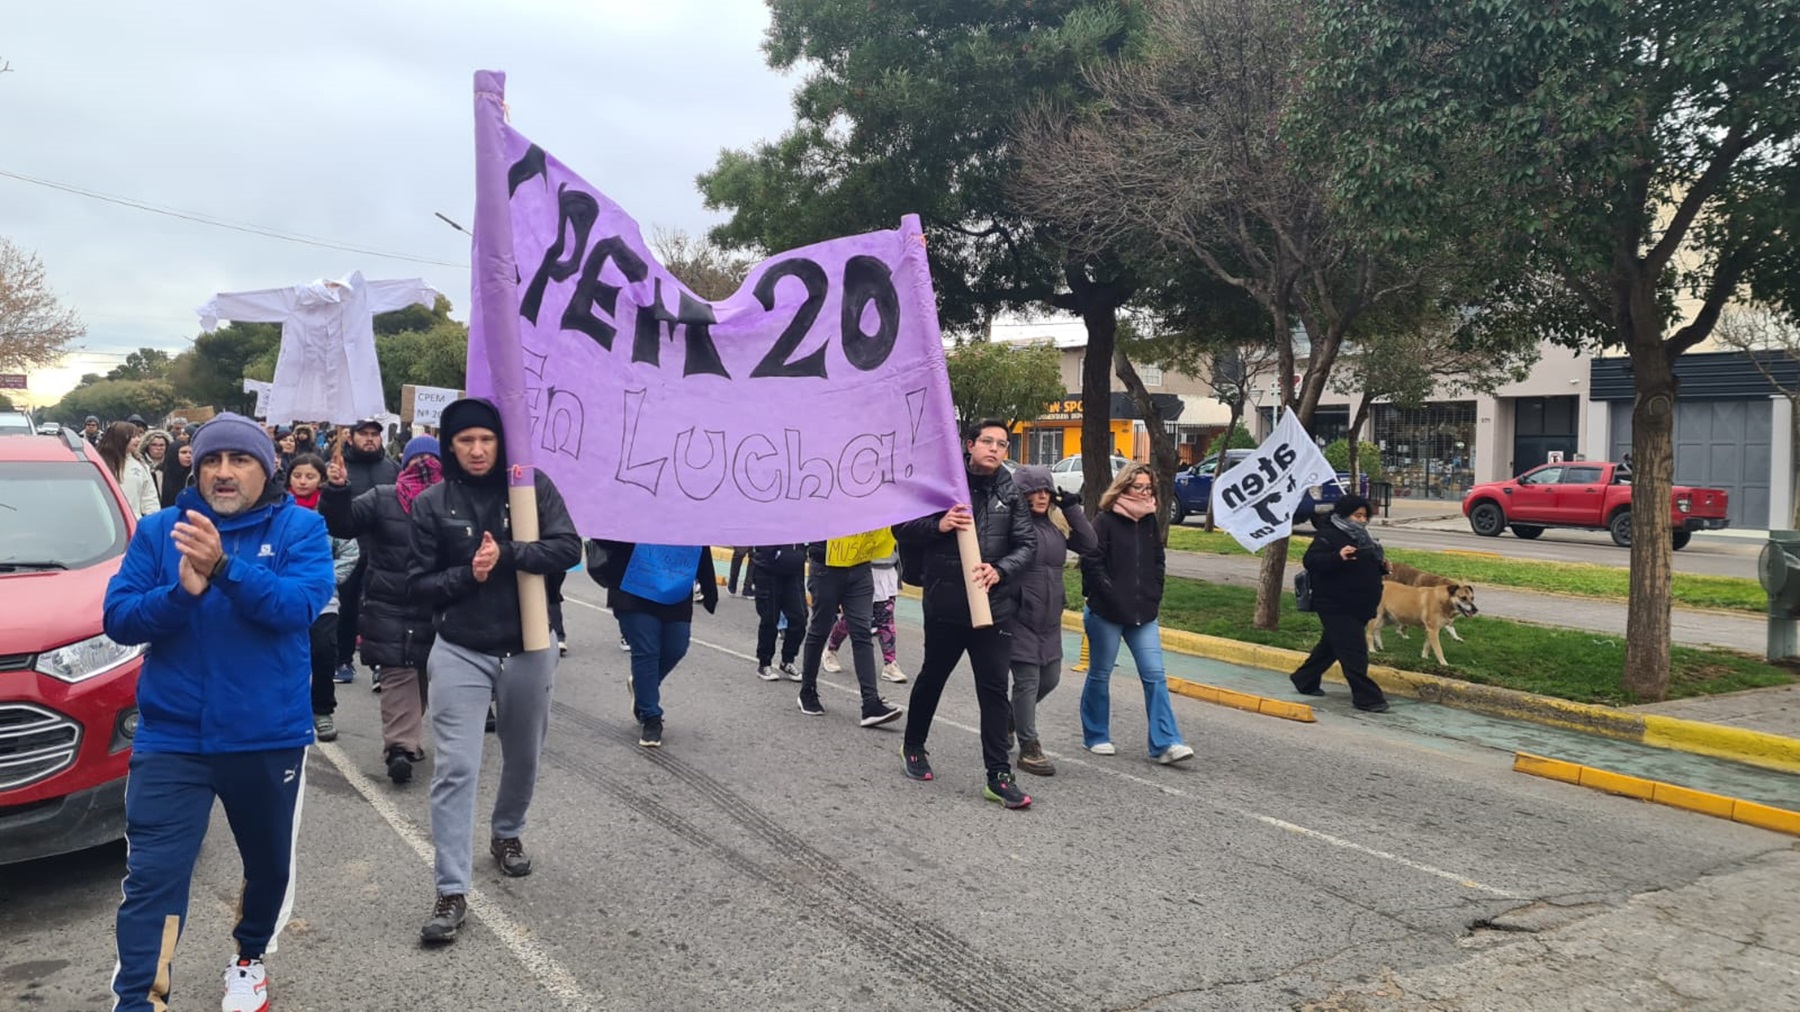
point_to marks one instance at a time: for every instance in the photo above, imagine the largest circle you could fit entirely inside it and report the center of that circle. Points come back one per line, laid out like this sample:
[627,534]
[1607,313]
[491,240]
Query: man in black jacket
[367,465]
[465,564]
[1001,519]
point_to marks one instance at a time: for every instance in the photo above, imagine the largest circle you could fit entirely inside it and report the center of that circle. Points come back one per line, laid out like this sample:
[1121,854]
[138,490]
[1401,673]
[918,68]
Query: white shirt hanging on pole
[327,369]
[1255,500]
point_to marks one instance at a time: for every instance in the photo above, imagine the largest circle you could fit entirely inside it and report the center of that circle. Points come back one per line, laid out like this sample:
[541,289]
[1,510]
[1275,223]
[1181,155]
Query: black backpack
[599,554]
[1303,591]
[912,563]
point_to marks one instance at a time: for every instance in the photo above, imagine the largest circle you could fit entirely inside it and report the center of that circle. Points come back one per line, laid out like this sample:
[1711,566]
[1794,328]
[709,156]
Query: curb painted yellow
[1718,806]
[1771,750]
[1242,701]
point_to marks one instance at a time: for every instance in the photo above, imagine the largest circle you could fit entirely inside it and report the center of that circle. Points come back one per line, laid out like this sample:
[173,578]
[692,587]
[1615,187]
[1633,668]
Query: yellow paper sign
[841,553]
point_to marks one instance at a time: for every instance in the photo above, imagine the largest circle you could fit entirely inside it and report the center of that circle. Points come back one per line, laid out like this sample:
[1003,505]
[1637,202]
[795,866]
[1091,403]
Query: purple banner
[812,403]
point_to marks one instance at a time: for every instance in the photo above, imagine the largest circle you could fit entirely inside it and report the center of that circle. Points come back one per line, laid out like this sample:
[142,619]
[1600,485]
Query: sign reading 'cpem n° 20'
[1255,501]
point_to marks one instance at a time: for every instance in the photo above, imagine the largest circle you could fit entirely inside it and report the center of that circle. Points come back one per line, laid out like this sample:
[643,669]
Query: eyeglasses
[1141,486]
[998,444]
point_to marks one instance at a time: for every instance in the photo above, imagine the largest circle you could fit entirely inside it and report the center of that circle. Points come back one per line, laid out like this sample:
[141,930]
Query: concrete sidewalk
[1688,627]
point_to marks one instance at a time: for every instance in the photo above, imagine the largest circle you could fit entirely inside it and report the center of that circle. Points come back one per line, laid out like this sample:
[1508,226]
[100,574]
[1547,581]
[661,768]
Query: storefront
[1057,432]
[1427,452]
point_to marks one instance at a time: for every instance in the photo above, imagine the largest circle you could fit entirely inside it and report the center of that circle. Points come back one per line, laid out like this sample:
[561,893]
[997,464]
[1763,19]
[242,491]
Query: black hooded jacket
[1008,543]
[448,520]
[368,469]
[395,626]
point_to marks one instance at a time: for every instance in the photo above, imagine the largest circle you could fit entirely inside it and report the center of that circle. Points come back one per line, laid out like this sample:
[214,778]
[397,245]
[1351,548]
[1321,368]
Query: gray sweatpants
[1031,683]
[462,682]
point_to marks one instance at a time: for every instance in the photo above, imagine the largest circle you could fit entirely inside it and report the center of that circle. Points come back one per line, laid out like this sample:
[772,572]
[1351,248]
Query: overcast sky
[346,121]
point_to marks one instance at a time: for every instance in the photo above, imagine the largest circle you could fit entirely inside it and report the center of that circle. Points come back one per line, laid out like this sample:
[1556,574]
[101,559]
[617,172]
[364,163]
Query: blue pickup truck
[1193,489]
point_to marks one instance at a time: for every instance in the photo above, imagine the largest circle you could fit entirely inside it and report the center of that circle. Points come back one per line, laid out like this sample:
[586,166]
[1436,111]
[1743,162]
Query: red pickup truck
[1584,493]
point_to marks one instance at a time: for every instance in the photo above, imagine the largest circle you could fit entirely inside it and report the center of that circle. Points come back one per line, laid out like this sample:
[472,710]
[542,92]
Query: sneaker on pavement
[788,669]
[246,987]
[1104,748]
[399,765]
[1000,787]
[510,852]
[1174,754]
[886,715]
[892,672]
[562,648]
[768,673]
[811,707]
[446,917]
[624,644]
[651,735]
[324,728]
[1033,761]
[830,663]
[918,764]
[375,680]
[346,673]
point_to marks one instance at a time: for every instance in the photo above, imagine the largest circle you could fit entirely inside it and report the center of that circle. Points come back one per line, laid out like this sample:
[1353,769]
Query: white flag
[261,390]
[1255,501]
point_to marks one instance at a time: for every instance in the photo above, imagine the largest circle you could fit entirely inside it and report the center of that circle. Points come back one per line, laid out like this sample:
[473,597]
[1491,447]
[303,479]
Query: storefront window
[1044,446]
[1427,452]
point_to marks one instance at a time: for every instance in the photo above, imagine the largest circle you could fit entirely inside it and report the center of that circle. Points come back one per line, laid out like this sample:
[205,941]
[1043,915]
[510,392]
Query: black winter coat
[1341,587]
[448,520]
[1122,577]
[1037,628]
[395,626]
[1008,543]
[367,470]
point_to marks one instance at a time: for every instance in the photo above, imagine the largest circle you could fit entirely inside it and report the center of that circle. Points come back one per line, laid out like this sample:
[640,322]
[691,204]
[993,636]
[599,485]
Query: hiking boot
[1032,759]
[811,707]
[918,764]
[1000,787]
[510,852]
[324,728]
[246,987]
[788,669]
[892,672]
[446,917]
[767,673]
[651,736]
[887,714]
[830,662]
[399,765]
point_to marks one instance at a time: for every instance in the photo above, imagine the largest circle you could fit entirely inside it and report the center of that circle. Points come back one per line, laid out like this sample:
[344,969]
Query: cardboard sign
[662,573]
[842,553]
[425,405]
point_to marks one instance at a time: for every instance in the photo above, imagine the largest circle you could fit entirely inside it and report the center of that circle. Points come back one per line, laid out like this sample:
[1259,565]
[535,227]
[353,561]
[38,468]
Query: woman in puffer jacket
[1037,632]
[1123,580]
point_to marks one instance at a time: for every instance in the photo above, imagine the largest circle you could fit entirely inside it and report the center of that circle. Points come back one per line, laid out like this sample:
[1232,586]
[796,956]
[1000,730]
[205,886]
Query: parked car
[1065,474]
[1194,485]
[15,423]
[50,429]
[1590,494]
[68,693]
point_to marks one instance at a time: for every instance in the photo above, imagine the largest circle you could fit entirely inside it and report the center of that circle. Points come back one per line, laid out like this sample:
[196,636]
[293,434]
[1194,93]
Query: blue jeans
[656,647]
[1145,642]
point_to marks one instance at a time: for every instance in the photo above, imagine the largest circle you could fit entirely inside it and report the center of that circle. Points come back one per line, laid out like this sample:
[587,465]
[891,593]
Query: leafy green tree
[1011,382]
[1604,160]
[909,106]
[211,373]
[142,364]
[436,357]
[113,399]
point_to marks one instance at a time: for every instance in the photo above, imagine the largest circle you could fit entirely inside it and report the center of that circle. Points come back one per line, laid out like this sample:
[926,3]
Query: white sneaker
[768,673]
[562,648]
[246,987]
[1174,754]
[891,671]
[830,663]
[1104,748]
[624,644]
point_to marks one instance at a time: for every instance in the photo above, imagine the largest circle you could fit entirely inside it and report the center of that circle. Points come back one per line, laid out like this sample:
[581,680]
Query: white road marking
[550,974]
[1269,820]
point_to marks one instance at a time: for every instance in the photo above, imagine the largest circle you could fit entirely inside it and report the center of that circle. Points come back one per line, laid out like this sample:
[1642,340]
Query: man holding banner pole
[998,518]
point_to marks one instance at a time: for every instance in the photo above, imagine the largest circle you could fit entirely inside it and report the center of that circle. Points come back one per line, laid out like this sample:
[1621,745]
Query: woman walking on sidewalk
[305,476]
[1346,565]
[1123,581]
[1037,629]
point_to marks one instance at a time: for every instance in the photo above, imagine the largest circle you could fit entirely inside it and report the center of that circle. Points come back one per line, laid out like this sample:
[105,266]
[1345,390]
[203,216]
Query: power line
[217,222]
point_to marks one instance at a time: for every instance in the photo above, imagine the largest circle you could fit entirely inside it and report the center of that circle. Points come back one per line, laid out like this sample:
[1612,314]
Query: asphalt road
[768,860]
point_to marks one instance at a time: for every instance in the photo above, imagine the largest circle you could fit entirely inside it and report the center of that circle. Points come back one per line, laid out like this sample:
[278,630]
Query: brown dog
[1430,608]
[1400,572]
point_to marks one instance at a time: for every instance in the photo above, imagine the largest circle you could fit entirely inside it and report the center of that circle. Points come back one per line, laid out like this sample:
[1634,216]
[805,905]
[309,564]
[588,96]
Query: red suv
[67,693]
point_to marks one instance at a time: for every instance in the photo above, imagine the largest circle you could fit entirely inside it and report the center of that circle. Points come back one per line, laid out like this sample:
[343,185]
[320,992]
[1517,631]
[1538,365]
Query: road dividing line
[550,974]
[1268,820]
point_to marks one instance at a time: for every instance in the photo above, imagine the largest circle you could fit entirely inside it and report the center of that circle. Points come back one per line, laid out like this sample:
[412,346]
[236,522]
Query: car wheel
[1682,538]
[1178,513]
[1487,520]
[1620,528]
[1526,531]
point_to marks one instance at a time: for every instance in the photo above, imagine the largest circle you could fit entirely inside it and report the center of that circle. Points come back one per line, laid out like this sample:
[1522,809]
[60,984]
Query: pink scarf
[1134,508]
[424,472]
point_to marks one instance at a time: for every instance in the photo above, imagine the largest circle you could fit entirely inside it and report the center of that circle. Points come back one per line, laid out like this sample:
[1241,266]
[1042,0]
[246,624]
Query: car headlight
[81,661]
